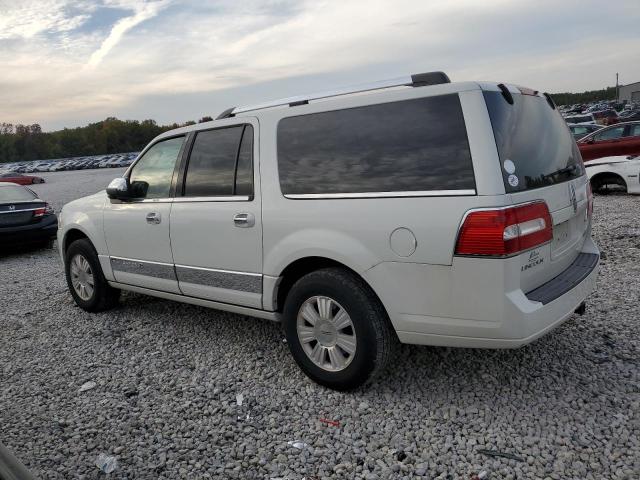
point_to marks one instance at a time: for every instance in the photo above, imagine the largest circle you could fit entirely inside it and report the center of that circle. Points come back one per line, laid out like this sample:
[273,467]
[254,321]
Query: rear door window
[415,145]
[221,163]
[634,130]
[609,134]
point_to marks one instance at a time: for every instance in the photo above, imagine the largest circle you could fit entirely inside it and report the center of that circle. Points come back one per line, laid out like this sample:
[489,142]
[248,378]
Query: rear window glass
[11,193]
[407,146]
[535,146]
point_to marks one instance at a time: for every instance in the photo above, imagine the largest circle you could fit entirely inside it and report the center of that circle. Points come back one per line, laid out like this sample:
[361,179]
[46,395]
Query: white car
[416,210]
[618,172]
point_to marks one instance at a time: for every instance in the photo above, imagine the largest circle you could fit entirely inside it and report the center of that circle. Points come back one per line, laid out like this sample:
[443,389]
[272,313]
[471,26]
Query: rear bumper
[483,312]
[38,232]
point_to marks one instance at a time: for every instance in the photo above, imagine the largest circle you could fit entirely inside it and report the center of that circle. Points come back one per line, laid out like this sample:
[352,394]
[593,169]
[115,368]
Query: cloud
[66,62]
[143,11]
[28,18]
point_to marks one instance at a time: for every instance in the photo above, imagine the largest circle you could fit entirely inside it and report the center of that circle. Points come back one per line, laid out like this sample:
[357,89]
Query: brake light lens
[41,212]
[504,232]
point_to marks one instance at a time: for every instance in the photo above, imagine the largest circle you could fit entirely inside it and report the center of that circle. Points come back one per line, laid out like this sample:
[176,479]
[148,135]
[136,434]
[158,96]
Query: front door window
[151,176]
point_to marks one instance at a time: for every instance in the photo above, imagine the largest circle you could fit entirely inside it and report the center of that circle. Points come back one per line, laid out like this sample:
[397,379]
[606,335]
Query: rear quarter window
[417,145]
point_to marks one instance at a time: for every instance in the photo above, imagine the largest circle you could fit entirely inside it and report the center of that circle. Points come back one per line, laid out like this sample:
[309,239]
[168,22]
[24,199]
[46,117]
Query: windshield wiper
[568,169]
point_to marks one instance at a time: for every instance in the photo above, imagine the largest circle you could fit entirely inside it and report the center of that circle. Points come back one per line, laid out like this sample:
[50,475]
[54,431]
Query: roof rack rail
[416,80]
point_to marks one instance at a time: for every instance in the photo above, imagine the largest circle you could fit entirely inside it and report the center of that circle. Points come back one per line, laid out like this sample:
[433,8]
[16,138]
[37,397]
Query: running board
[227,307]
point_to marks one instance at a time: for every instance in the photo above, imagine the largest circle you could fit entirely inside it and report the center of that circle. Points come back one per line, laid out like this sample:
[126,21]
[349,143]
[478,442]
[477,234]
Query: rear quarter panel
[356,232]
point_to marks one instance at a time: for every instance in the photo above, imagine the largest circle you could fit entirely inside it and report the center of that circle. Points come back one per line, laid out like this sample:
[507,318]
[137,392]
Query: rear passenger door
[216,224]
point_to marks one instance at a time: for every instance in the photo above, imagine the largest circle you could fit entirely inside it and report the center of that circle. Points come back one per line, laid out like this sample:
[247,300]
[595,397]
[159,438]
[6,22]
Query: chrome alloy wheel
[326,333]
[82,277]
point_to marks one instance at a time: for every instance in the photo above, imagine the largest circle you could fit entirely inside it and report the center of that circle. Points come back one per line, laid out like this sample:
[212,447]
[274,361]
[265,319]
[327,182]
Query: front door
[216,227]
[137,231]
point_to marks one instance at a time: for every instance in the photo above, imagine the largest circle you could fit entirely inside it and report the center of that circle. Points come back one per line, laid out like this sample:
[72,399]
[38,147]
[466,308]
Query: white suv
[414,211]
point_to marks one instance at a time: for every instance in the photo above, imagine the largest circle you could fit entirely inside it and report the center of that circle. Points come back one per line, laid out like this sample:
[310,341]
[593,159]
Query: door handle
[244,220]
[154,218]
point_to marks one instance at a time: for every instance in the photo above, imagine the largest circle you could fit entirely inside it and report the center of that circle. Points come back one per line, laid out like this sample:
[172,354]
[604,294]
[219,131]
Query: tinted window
[413,145]
[635,130]
[152,174]
[535,138]
[14,193]
[244,171]
[212,162]
[579,119]
[609,134]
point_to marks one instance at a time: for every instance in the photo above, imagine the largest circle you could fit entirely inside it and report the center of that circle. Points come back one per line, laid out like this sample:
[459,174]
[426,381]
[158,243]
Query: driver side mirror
[118,189]
[121,189]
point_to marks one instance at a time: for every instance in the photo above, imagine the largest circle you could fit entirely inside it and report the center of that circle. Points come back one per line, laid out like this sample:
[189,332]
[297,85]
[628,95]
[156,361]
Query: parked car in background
[25,218]
[619,139]
[630,116]
[359,221]
[585,118]
[20,178]
[579,131]
[615,173]
[606,117]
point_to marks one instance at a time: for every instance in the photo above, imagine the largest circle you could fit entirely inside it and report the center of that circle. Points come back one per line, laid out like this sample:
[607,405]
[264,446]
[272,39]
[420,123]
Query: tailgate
[568,204]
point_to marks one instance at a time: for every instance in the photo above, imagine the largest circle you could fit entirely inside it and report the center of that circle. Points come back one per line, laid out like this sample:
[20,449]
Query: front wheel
[85,279]
[337,330]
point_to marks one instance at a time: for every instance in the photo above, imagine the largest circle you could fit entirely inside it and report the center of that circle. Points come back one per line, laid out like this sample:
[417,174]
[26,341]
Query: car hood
[89,199]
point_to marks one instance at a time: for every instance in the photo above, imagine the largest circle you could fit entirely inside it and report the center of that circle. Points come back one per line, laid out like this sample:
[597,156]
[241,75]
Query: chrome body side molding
[252,312]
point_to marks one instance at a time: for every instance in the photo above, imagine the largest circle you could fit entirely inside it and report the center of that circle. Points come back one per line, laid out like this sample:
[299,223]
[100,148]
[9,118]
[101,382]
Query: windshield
[535,146]
[11,193]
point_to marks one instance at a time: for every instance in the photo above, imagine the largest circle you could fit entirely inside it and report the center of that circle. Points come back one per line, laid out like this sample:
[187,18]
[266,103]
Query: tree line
[29,142]
[567,98]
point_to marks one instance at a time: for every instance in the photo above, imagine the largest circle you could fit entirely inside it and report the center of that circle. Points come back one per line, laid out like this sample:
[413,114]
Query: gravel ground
[167,376]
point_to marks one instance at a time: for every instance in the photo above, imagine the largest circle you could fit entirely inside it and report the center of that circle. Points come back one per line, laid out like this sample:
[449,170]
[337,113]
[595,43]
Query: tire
[102,296]
[375,340]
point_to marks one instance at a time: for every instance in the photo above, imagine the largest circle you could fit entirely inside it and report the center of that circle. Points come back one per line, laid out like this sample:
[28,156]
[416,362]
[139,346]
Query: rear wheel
[337,330]
[85,279]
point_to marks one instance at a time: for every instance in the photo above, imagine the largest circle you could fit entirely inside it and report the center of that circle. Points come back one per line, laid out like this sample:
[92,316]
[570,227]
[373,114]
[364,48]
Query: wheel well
[71,236]
[607,177]
[300,268]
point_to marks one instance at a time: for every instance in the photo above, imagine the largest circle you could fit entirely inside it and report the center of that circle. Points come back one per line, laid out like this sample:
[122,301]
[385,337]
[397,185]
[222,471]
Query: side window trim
[235,168]
[184,168]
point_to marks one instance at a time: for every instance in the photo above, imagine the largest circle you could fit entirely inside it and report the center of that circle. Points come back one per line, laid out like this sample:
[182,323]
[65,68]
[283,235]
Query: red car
[618,139]
[20,179]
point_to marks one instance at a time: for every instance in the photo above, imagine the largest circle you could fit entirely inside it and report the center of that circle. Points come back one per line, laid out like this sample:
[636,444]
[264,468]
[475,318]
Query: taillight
[41,212]
[505,231]
[589,201]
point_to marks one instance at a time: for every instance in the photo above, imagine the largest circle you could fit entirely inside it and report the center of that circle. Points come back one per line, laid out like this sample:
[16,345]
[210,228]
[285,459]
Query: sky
[65,63]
